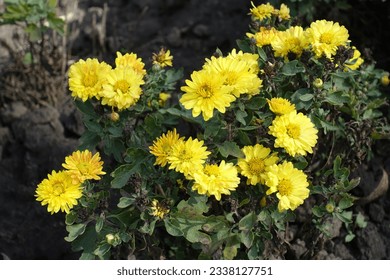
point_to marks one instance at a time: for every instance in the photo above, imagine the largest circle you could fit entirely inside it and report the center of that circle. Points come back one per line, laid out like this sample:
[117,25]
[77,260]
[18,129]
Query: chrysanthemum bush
[217,165]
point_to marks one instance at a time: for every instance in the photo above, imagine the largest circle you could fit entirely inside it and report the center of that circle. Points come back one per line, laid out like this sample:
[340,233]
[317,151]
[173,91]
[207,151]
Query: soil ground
[39,125]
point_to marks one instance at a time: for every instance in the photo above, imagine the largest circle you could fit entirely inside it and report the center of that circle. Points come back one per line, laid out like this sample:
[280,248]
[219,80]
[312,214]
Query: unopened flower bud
[385,80]
[318,83]
[110,238]
[329,208]
[114,116]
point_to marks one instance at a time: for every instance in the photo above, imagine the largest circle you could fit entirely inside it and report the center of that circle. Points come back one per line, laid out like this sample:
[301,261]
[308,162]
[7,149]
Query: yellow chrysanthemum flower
[385,81]
[188,156]
[237,75]
[163,58]
[204,93]
[355,62]
[250,59]
[130,60]
[216,179]
[289,183]
[280,106]
[81,166]
[284,12]
[325,37]
[159,209]
[58,192]
[256,162]
[87,77]
[162,146]
[163,98]
[294,132]
[265,36]
[262,11]
[291,41]
[123,88]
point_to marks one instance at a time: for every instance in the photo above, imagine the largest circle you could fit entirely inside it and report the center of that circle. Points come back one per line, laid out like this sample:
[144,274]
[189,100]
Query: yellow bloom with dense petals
[159,209]
[262,11]
[163,58]
[291,41]
[87,77]
[130,60]
[58,192]
[162,146]
[216,180]
[81,166]
[284,12]
[289,183]
[294,132]
[123,88]
[251,59]
[280,106]
[188,156]
[325,37]
[265,36]
[355,62]
[237,75]
[204,93]
[256,162]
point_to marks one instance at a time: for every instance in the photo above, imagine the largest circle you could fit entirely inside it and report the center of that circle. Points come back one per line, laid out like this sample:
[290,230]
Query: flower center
[82,167]
[58,189]
[326,38]
[211,169]
[293,131]
[256,165]
[122,85]
[205,91]
[90,79]
[285,187]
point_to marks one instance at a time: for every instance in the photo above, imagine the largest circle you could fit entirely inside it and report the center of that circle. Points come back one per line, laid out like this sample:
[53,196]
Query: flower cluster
[62,189]
[118,87]
[322,38]
[220,82]
[189,158]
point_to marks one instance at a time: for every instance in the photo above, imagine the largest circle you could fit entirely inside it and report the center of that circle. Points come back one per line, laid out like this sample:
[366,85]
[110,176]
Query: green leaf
[230,250]
[337,98]
[292,68]
[262,54]
[256,103]
[360,221]
[247,222]
[230,148]
[306,97]
[86,108]
[349,237]
[99,224]
[125,202]
[345,216]
[89,140]
[240,116]
[123,173]
[247,238]
[74,231]
[319,211]
[345,203]
[172,229]
[101,250]
[244,45]
[70,218]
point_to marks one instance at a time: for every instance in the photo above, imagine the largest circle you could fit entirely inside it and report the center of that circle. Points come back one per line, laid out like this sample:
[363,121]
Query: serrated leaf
[337,98]
[345,203]
[74,231]
[292,68]
[230,149]
[123,173]
[247,238]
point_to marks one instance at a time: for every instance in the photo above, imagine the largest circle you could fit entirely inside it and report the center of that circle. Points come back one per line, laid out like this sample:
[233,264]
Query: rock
[201,30]
[12,112]
[376,212]
[370,243]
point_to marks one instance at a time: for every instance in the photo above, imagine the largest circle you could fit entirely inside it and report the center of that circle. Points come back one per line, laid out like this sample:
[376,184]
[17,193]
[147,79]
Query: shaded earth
[39,124]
